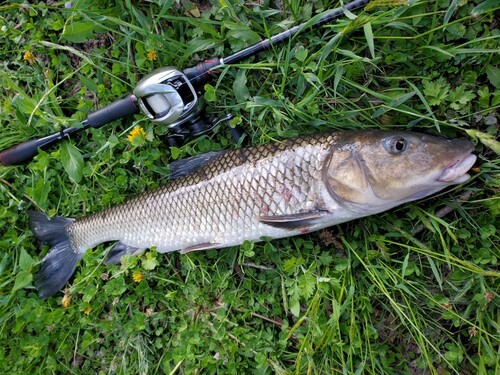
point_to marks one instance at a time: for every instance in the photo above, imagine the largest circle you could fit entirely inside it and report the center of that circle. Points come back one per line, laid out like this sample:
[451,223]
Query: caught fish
[223,198]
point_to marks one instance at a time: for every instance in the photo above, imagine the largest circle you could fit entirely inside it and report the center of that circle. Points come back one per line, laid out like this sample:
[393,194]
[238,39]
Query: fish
[282,189]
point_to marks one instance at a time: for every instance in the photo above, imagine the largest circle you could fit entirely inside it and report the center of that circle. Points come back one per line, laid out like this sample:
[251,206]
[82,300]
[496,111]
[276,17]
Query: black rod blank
[202,72]
[197,75]
[288,34]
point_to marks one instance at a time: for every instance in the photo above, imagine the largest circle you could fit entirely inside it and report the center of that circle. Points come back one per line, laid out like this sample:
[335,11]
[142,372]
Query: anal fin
[118,250]
[293,221]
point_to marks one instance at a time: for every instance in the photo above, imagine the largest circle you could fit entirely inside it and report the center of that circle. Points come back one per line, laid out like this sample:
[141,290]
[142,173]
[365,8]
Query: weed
[414,290]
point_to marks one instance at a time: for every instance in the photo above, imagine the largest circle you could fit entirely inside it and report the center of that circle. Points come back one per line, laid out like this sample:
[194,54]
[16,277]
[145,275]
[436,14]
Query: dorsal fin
[183,167]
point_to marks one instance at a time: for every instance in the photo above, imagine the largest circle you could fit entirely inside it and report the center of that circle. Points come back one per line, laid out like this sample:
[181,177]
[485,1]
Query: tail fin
[60,263]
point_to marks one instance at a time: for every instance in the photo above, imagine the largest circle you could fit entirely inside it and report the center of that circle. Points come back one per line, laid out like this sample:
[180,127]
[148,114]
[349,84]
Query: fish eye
[395,145]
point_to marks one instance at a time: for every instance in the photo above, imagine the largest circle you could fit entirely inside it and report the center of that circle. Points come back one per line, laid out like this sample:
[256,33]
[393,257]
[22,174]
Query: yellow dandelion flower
[136,132]
[66,301]
[87,310]
[29,57]
[152,55]
[137,276]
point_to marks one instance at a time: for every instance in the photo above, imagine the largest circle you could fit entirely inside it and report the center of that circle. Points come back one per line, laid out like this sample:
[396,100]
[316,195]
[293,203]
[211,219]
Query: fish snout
[463,145]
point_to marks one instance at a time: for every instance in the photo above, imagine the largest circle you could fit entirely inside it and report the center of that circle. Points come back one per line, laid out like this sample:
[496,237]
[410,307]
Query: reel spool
[166,96]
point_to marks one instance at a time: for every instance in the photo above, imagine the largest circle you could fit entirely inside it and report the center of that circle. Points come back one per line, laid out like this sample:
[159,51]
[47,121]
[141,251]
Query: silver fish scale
[220,204]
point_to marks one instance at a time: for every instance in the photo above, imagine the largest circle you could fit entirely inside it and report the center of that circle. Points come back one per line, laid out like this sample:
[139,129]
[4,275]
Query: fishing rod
[168,96]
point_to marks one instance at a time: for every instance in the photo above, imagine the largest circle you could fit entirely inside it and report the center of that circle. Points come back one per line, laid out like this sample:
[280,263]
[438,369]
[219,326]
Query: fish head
[376,170]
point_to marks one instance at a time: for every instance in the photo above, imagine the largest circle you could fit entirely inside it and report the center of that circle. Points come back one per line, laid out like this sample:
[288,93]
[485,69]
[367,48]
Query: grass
[414,290]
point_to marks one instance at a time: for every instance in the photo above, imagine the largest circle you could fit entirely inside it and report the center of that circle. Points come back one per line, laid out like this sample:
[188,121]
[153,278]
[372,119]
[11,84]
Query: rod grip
[119,109]
[21,153]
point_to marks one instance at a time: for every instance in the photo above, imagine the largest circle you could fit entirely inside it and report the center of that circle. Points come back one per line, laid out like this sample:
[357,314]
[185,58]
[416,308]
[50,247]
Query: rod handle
[118,109]
[26,151]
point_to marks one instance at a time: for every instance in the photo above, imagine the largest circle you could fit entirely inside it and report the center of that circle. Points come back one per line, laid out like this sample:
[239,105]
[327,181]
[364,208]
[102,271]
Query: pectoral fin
[199,247]
[294,221]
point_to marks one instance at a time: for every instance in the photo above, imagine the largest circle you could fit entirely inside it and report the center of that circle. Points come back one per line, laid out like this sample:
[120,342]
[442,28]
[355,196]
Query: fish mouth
[456,173]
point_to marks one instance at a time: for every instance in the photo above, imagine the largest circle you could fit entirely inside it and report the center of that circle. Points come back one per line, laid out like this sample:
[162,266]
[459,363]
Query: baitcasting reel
[166,96]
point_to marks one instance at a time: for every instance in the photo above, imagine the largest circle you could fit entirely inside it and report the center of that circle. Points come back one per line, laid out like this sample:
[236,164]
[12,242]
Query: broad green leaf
[484,7]
[3,262]
[405,289]
[144,21]
[242,33]
[175,152]
[436,91]
[339,72]
[72,161]
[240,86]
[23,279]
[367,28]
[301,53]
[150,262]
[454,354]
[165,8]
[25,105]
[341,264]
[405,265]
[79,32]
[235,121]
[291,264]
[496,99]
[88,83]
[210,95]
[484,97]
[436,272]
[294,306]
[307,285]
[25,260]
[327,49]
[40,190]
[493,74]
